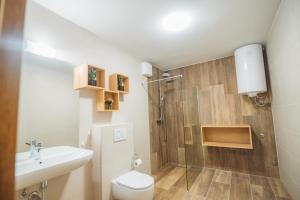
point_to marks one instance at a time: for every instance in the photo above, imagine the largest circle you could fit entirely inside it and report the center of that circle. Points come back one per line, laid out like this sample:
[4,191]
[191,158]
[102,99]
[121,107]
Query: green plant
[109,103]
[92,75]
[120,83]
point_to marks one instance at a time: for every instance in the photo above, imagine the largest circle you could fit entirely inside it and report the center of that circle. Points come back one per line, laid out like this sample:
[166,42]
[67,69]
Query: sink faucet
[35,149]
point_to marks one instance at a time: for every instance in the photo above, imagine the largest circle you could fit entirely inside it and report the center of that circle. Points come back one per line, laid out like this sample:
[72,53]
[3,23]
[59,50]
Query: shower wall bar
[168,78]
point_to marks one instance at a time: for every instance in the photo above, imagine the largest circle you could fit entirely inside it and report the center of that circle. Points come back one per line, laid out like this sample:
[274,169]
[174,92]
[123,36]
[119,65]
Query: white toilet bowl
[133,186]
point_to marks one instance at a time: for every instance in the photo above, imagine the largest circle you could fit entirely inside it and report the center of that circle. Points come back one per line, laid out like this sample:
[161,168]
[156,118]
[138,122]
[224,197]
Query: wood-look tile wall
[207,94]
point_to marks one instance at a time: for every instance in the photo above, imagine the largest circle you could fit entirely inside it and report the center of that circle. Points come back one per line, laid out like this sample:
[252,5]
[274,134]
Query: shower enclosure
[175,130]
[206,94]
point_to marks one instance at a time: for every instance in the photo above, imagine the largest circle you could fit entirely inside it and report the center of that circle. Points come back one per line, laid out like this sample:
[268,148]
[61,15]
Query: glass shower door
[192,135]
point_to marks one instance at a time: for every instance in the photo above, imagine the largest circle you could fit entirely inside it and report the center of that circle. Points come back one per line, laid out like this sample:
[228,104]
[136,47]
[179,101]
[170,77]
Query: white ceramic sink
[53,162]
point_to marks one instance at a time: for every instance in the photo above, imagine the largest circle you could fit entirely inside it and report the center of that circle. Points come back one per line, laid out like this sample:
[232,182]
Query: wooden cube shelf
[238,136]
[113,83]
[81,77]
[102,96]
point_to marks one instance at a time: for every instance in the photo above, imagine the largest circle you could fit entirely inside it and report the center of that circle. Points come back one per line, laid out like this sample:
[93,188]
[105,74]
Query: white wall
[77,46]
[283,47]
[48,107]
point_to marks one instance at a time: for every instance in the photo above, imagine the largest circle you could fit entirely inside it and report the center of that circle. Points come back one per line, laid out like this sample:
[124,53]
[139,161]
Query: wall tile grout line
[250,187]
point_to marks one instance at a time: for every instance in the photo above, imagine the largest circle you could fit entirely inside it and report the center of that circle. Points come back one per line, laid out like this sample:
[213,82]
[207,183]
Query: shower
[174,136]
[161,109]
[161,119]
[165,80]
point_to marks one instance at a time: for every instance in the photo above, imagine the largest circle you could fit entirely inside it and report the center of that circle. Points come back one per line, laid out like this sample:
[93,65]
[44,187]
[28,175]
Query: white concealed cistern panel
[111,159]
[120,134]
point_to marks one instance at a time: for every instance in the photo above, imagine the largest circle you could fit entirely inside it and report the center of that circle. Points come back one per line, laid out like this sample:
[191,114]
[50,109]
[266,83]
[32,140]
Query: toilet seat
[135,180]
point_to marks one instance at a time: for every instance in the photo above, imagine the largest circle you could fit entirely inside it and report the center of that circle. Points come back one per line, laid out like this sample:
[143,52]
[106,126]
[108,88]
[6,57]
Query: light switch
[120,134]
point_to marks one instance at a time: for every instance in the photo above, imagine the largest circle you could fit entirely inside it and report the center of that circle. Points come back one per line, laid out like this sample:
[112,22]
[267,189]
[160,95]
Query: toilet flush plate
[120,134]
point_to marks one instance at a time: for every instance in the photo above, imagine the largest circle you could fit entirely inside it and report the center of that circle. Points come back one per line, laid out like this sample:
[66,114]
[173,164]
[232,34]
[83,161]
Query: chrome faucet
[35,149]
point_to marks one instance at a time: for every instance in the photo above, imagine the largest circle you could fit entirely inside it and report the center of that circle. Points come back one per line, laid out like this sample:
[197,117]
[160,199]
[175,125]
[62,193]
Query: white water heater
[146,69]
[250,70]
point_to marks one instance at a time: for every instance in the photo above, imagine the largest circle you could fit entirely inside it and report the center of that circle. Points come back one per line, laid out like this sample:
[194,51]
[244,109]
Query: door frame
[11,42]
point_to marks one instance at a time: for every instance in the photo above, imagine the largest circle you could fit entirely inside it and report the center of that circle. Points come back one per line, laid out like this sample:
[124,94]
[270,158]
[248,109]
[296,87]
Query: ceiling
[217,28]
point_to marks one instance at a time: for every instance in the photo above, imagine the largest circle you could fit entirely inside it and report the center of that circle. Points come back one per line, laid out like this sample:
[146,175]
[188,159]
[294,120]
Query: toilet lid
[135,180]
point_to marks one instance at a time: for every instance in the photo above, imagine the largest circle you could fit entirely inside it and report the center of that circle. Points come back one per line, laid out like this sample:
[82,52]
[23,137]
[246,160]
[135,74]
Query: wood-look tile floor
[213,184]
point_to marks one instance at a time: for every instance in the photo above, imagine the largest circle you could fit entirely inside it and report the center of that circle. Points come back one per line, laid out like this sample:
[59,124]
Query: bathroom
[131,100]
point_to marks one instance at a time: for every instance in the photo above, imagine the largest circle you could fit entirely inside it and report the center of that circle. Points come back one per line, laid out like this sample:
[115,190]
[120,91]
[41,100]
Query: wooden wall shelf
[82,81]
[113,83]
[102,96]
[238,136]
[81,78]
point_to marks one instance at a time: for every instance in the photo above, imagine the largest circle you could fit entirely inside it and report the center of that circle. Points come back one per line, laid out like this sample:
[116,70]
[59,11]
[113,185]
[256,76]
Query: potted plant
[121,83]
[109,103]
[92,74]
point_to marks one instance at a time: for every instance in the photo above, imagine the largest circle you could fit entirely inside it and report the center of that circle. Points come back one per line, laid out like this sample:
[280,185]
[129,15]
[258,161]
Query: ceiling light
[39,49]
[177,21]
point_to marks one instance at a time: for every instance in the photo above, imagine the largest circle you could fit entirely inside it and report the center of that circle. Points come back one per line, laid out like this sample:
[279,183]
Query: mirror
[48,104]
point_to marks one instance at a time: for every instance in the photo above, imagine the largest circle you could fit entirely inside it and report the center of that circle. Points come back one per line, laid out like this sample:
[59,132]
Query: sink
[53,162]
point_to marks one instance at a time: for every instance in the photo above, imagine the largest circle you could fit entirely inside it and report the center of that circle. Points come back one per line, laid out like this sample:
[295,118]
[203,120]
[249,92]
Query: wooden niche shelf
[115,83]
[227,136]
[89,77]
[103,96]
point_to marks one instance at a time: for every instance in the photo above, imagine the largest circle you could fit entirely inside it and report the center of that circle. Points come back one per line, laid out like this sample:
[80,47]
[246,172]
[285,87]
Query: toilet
[133,185]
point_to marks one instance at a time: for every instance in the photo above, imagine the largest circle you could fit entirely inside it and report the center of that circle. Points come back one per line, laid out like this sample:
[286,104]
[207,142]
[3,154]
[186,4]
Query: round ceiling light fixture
[177,21]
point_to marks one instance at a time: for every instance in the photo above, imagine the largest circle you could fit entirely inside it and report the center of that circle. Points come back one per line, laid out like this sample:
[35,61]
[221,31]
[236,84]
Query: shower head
[165,75]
